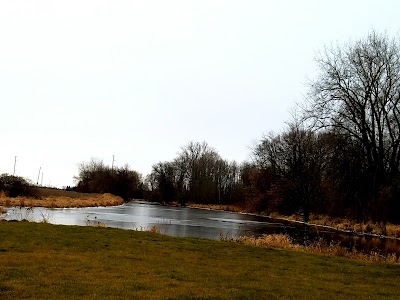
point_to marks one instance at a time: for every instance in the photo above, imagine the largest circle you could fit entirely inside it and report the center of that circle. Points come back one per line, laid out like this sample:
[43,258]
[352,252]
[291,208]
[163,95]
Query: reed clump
[154,229]
[284,241]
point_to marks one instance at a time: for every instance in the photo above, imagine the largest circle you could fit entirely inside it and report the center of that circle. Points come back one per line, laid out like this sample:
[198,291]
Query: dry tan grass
[154,229]
[62,201]
[271,240]
[392,230]
[230,207]
[283,241]
[345,224]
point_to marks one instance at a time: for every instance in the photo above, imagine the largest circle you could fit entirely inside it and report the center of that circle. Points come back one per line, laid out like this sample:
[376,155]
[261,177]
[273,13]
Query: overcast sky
[139,79]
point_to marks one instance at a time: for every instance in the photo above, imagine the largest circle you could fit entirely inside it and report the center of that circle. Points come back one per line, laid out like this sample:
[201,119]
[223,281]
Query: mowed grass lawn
[43,261]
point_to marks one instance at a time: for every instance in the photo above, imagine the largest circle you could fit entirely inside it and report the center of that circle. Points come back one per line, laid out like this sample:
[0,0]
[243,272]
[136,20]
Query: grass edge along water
[43,261]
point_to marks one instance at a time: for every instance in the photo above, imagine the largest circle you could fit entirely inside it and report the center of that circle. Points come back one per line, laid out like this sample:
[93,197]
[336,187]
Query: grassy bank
[55,198]
[42,261]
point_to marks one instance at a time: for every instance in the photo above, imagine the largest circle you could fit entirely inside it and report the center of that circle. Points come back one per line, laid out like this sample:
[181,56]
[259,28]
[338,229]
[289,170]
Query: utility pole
[41,182]
[15,163]
[37,181]
[112,165]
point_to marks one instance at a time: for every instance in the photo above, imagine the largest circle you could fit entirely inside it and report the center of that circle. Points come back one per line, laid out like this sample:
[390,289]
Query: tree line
[198,174]
[340,155]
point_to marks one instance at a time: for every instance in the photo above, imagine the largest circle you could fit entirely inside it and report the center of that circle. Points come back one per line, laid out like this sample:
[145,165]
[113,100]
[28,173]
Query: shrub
[14,186]
[95,177]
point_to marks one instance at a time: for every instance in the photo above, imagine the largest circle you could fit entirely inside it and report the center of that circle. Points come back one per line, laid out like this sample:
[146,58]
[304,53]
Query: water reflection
[183,222]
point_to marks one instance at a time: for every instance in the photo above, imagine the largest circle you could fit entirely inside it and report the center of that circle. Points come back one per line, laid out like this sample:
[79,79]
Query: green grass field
[43,261]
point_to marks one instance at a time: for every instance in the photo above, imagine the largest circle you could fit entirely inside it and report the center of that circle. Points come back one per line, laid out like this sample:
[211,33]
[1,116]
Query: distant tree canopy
[14,186]
[198,174]
[96,177]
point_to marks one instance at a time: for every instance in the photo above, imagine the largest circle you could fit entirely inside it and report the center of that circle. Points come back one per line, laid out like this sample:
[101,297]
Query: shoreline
[93,200]
[319,222]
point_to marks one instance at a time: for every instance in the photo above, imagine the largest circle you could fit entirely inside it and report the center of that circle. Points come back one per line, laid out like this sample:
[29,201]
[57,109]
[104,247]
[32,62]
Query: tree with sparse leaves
[357,94]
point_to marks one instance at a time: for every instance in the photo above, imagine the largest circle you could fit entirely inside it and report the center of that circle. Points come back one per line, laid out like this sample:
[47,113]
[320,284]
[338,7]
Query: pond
[209,224]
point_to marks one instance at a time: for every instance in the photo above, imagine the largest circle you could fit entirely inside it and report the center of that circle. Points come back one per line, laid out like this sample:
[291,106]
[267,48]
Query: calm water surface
[184,222]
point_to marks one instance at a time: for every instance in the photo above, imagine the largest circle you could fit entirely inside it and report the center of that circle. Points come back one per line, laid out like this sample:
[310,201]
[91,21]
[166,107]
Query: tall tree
[358,94]
[164,181]
[295,160]
[200,164]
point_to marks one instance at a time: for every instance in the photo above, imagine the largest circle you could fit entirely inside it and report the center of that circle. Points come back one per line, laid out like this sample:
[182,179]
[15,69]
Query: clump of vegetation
[154,229]
[346,224]
[321,246]
[16,186]
[226,207]
[96,177]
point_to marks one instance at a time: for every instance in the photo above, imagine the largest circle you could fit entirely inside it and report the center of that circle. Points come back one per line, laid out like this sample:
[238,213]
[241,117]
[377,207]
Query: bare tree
[358,94]
[197,174]
[295,159]
[200,165]
[96,177]
[163,181]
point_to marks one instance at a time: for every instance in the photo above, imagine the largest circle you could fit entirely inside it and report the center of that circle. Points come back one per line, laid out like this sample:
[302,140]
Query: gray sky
[139,79]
